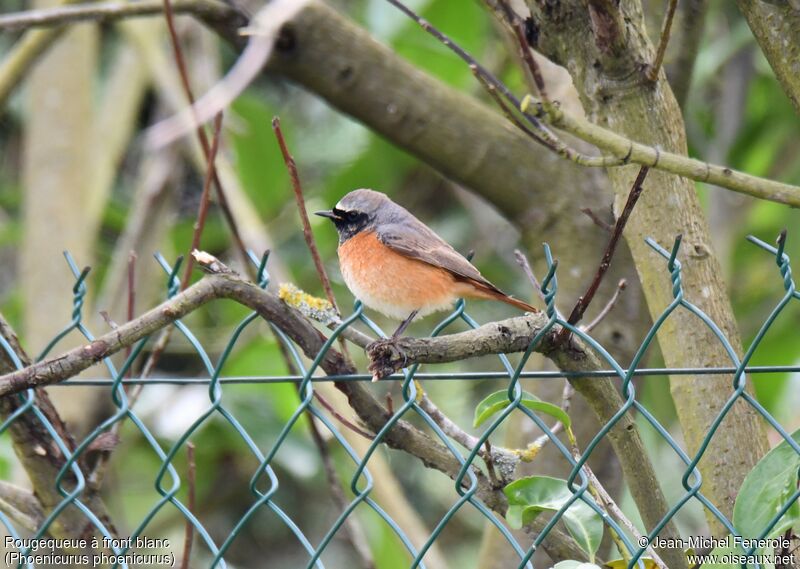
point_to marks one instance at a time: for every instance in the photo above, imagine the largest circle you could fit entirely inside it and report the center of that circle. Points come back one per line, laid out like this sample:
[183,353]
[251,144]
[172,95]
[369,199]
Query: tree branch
[109,12]
[623,150]
[654,68]
[616,235]
[637,153]
[776,27]
[21,506]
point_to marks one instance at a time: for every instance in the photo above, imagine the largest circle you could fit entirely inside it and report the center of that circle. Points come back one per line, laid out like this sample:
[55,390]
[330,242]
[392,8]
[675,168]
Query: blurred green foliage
[336,155]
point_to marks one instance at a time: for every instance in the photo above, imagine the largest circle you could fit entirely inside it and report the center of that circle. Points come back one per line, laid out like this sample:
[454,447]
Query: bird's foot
[386,356]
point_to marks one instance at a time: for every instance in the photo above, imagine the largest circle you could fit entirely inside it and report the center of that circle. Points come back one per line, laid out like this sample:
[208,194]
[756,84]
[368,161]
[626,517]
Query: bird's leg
[404,324]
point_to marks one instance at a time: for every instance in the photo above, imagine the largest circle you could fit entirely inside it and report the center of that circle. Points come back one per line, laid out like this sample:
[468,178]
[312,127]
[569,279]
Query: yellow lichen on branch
[314,307]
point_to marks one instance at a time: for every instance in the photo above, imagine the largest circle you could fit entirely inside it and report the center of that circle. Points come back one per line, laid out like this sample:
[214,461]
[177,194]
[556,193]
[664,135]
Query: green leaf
[766,489]
[498,401]
[528,497]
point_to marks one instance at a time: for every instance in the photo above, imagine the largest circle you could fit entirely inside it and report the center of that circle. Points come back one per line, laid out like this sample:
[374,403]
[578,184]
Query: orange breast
[391,283]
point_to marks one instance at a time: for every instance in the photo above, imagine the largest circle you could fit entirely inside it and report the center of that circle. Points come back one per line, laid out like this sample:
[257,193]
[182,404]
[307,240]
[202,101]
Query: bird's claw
[386,356]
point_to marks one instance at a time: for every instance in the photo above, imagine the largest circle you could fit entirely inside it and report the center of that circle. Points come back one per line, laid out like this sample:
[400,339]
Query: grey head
[362,210]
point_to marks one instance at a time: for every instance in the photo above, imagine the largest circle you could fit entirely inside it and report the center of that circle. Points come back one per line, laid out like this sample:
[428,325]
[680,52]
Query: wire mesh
[71,483]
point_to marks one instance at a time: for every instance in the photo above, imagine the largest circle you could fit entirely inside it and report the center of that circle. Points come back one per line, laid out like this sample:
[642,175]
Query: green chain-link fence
[71,481]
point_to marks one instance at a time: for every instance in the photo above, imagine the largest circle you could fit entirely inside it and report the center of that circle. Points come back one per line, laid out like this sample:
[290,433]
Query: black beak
[328,213]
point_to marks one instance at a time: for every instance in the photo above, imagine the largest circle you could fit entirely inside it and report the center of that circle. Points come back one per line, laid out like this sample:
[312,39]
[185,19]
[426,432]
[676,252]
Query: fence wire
[264,485]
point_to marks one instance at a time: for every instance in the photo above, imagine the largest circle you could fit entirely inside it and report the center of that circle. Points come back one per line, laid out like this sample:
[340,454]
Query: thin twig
[566,403]
[523,262]
[509,114]
[608,307]
[291,166]
[202,137]
[131,299]
[666,28]
[190,504]
[205,199]
[589,212]
[342,419]
[98,472]
[585,300]
[505,459]
[487,458]
[516,24]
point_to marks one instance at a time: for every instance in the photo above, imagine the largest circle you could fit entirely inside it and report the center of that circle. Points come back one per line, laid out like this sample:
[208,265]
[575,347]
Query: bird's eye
[352,215]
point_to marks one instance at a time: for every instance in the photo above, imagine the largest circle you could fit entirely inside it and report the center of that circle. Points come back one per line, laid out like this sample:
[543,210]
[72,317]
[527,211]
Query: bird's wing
[418,241]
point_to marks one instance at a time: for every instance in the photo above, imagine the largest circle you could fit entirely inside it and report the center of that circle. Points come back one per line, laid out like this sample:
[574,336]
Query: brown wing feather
[421,243]
[416,240]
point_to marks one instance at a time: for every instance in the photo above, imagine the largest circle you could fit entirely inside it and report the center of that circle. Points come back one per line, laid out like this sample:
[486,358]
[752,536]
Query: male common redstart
[397,265]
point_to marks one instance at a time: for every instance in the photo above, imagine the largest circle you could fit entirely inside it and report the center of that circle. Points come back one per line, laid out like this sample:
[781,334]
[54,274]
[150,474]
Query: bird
[398,266]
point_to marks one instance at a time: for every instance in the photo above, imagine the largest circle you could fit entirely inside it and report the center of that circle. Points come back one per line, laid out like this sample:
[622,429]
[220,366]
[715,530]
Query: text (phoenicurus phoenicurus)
[397,265]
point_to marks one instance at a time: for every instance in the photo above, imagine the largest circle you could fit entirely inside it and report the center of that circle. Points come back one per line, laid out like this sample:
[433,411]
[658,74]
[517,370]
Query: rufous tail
[477,289]
[521,304]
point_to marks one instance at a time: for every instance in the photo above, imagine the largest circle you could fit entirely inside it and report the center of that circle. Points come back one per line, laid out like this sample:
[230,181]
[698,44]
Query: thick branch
[21,506]
[776,26]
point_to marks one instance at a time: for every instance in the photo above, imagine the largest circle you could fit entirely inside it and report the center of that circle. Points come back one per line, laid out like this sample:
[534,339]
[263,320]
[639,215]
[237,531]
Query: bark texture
[776,26]
[607,68]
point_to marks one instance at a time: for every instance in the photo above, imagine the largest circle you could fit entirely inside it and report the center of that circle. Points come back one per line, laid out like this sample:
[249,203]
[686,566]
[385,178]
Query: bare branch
[513,20]
[21,505]
[621,285]
[104,12]
[190,504]
[183,73]
[342,419]
[588,212]
[291,166]
[515,335]
[585,300]
[205,199]
[654,68]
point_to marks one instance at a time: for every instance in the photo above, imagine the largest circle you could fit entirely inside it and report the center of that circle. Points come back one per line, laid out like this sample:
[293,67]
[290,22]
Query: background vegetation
[76,174]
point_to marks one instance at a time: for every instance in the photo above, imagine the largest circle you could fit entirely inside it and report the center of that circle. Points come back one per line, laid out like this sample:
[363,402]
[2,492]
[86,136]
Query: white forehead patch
[340,207]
